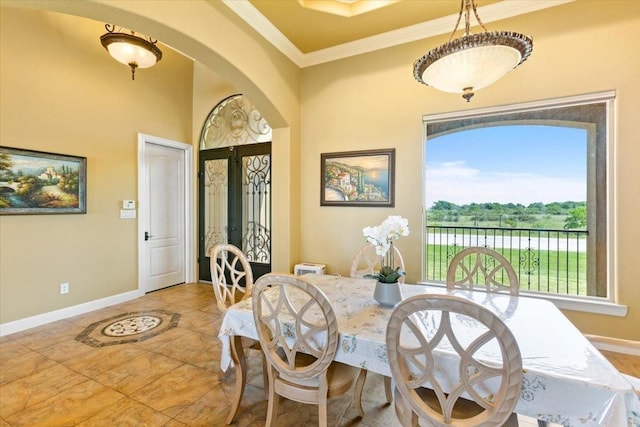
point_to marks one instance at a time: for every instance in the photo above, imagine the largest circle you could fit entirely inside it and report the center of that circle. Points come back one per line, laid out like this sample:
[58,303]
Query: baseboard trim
[615,345]
[63,313]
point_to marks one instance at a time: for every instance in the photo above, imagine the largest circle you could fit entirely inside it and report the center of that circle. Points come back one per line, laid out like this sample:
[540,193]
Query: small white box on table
[309,268]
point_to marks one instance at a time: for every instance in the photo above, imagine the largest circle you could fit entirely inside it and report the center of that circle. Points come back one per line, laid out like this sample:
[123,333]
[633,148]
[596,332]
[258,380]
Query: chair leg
[404,413]
[414,419]
[265,376]
[387,389]
[322,412]
[240,362]
[357,393]
[273,400]
[512,421]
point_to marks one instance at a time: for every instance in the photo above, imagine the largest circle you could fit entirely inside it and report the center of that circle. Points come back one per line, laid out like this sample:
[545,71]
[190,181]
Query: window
[529,181]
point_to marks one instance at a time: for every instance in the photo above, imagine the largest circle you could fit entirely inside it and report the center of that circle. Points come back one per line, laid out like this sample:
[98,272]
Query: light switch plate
[127,214]
[128,204]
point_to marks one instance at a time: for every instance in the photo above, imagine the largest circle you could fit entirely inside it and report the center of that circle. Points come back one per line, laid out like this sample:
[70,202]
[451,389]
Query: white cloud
[450,170]
[457,183]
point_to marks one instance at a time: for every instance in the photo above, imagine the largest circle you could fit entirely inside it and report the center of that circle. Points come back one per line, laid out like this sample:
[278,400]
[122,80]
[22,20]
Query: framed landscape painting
[34,182]
[358,178]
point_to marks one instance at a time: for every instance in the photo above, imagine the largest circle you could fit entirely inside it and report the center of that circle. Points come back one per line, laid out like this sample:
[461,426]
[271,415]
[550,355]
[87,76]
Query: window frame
[603,240]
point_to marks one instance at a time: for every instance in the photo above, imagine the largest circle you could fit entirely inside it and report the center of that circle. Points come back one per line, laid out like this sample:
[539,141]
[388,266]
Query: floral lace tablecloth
[566,380]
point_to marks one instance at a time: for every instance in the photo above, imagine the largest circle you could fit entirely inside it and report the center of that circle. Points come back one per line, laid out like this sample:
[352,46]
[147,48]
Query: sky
[507,164]
[367,162]
[35,164]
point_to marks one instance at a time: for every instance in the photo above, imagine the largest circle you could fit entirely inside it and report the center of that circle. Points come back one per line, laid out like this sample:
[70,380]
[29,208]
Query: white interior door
[163,216]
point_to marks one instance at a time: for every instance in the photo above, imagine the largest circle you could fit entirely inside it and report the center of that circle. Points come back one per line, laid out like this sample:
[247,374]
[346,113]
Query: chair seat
[339,375]
[463,408]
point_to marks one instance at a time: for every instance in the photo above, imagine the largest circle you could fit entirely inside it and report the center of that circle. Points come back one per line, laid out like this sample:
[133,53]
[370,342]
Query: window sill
[584,304]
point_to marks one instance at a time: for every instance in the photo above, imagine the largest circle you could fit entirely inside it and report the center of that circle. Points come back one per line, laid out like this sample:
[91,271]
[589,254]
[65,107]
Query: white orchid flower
[383,235]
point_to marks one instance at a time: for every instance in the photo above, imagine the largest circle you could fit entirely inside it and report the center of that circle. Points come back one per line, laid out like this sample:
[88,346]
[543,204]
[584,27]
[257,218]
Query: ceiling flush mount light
[129,49]
[473,61]
[346,8]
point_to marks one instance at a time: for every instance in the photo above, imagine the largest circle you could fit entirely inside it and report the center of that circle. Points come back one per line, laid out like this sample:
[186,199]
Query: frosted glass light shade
[131,50]
[472,62]
[476,67]
[126,54]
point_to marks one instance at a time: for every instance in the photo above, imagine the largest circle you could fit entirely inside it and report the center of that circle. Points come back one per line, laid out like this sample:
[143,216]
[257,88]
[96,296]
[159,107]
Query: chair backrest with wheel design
[294,318]
[425,335]
[366,261]
[231,275]
[482,268]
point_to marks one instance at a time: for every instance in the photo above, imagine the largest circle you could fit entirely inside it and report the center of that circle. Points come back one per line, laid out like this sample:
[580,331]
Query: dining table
[566,380]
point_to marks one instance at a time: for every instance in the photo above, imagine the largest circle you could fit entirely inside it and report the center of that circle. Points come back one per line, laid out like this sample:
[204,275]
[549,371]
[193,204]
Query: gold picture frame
[35,183]
[358,178]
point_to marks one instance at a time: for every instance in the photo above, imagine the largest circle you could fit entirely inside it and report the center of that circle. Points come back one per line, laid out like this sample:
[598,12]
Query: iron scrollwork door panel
[256,208]
[215,203]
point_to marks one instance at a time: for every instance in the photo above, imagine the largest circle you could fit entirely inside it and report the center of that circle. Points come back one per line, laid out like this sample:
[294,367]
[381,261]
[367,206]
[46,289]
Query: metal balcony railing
[551,261]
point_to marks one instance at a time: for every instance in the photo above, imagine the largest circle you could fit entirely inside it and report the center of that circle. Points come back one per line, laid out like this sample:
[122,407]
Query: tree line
[509,215]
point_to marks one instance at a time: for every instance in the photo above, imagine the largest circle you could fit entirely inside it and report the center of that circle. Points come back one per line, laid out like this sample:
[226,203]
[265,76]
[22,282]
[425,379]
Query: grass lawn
[538,270]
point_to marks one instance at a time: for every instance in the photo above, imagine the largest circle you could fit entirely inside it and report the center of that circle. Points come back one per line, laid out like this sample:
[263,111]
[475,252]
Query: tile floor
[172,378]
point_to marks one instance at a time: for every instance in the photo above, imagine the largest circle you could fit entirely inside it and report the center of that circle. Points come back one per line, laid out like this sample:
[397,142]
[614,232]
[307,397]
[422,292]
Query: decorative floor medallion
[131,326]
[128,327]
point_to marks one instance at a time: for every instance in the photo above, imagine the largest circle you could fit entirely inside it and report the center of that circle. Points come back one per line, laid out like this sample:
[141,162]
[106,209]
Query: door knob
[147,236]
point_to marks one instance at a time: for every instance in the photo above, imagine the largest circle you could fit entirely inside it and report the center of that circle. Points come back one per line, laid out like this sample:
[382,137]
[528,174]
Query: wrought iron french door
[235,204]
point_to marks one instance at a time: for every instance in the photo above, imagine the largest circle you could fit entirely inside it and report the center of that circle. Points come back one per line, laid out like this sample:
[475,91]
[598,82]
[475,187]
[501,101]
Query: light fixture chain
[475,12]
[467,16]
[458,21]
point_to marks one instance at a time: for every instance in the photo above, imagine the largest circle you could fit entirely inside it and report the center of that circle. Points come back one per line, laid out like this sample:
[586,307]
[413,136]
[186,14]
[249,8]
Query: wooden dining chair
[421,326]
[231,275]
[232,280]
[480,267]
[366,261]
[298,332]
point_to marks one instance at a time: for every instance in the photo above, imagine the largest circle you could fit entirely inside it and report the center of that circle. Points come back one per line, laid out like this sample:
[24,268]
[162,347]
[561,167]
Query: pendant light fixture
[473,61]
[130,49]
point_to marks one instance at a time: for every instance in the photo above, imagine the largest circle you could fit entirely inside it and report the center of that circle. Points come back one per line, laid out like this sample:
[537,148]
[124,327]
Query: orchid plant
[382,237]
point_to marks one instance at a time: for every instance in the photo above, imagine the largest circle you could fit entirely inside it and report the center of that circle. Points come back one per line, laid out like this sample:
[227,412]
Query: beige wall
[372,101]
[62,93]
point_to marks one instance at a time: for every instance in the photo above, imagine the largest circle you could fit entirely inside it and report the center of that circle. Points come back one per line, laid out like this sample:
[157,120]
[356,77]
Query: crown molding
[493,12]
[266,29]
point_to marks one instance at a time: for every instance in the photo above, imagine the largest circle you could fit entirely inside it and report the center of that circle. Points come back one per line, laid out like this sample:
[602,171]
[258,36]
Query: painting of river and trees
[33,182]
[358,178]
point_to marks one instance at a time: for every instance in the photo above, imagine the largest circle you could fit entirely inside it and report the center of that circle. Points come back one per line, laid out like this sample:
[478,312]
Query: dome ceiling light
[346,8]
[473,61]
[129,49]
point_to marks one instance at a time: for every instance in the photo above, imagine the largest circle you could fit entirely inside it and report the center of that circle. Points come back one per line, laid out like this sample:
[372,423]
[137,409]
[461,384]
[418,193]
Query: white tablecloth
[566,380]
